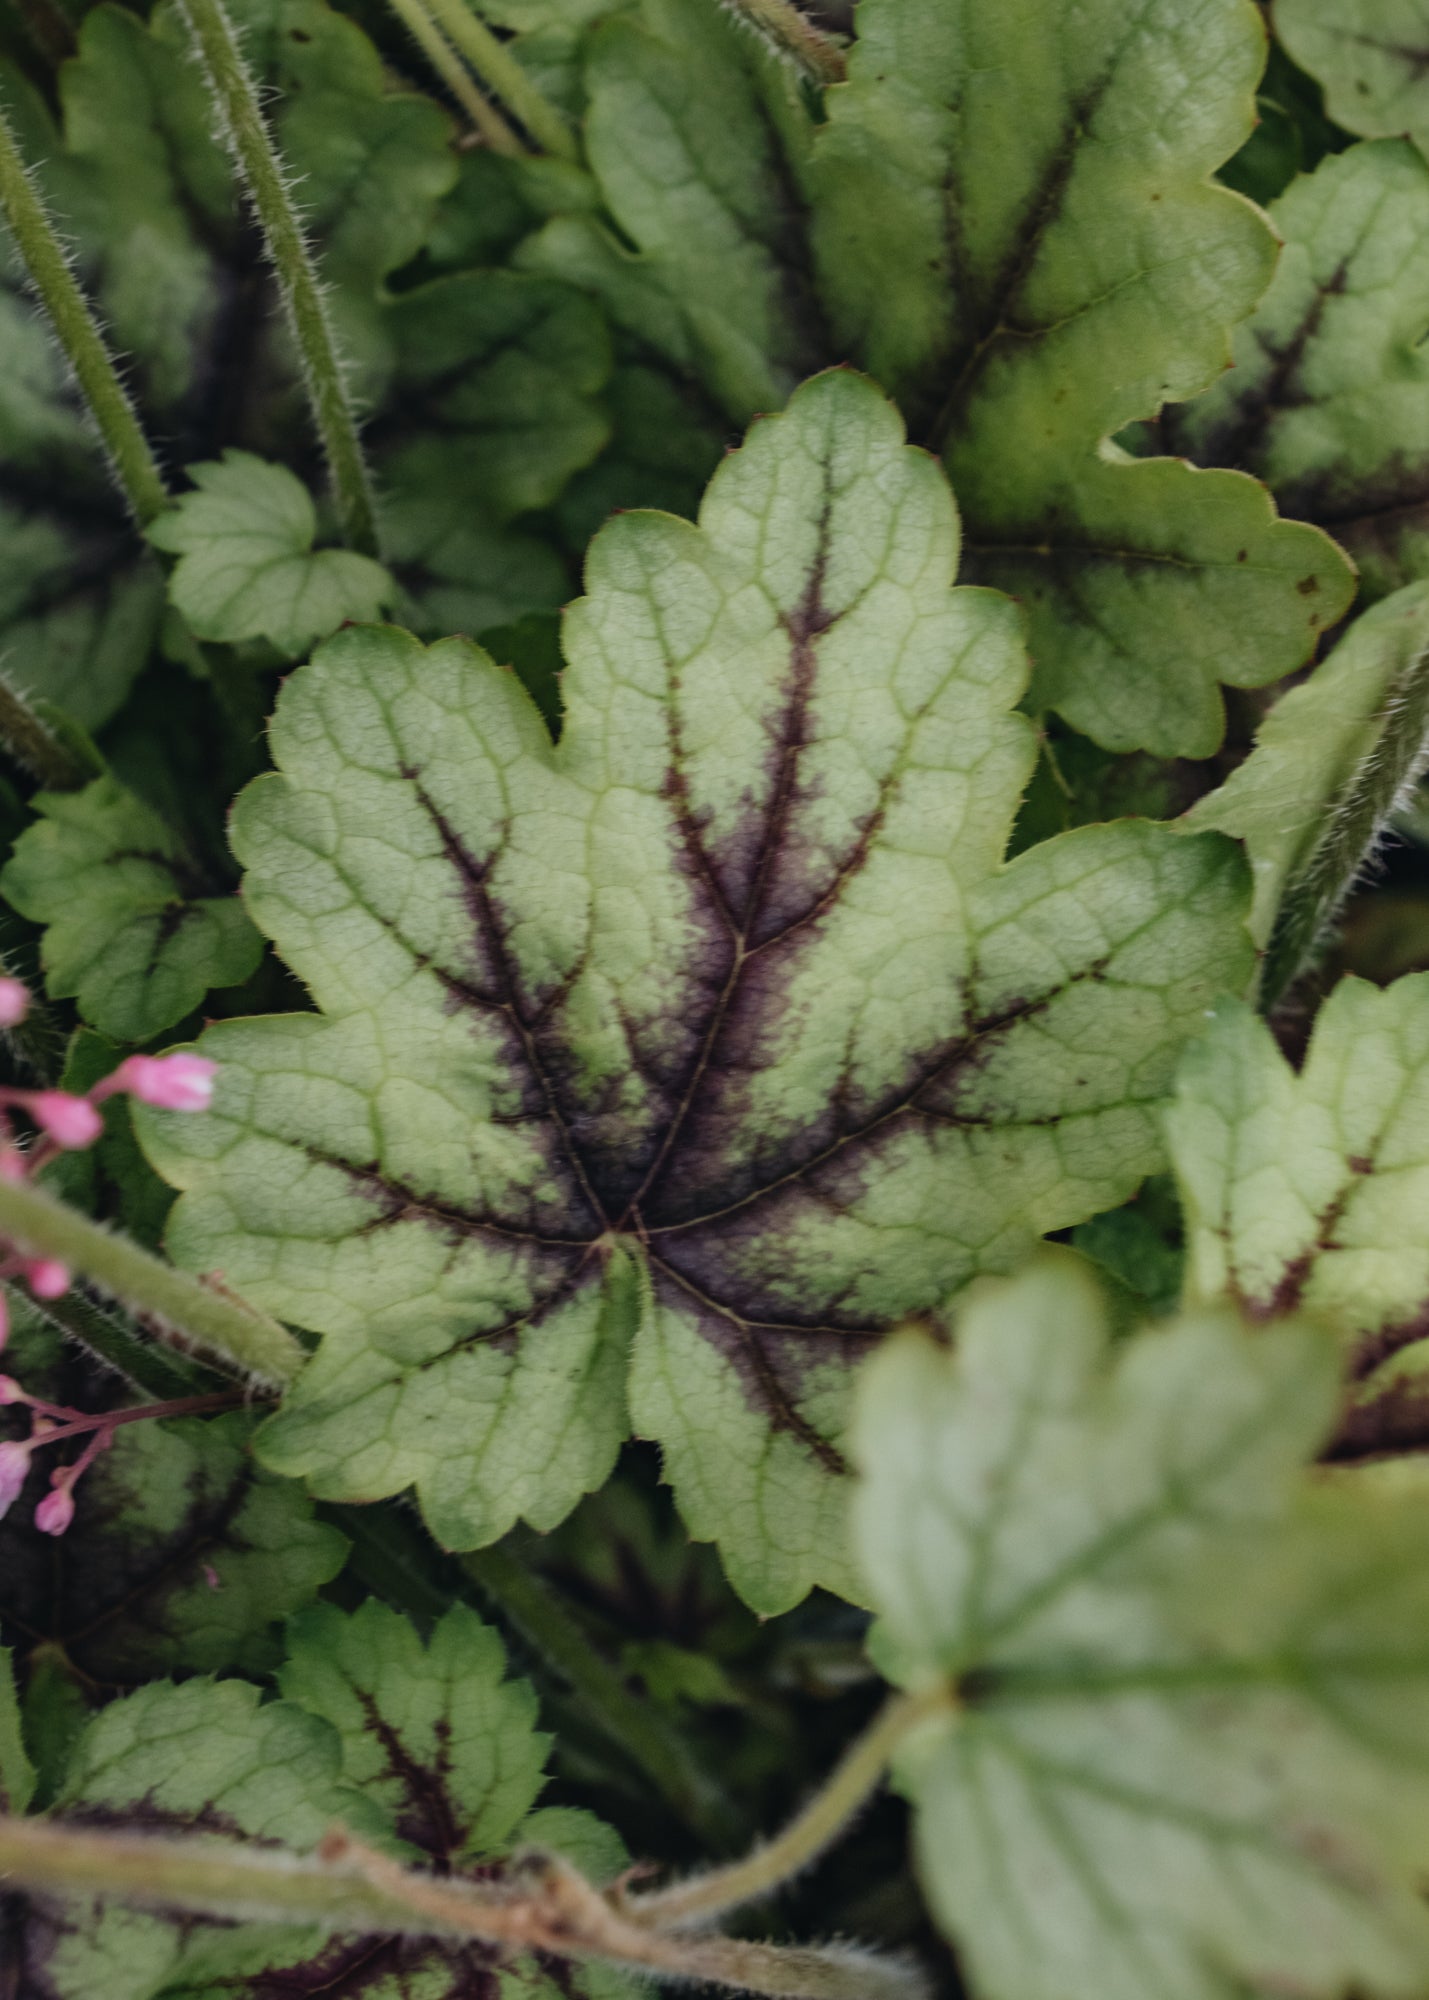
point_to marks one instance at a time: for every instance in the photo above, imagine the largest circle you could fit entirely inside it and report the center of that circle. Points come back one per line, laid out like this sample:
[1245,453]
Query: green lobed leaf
[1014,229]
[687,150]
[496,401]
[435,1734]
[422,1750]
[1332,759]
[1327,398]
[1312,1189]
[183,1554]
[716,1028]
[1186,1756]
[130,933]
[247,567]
[1011,222]
[1371,56]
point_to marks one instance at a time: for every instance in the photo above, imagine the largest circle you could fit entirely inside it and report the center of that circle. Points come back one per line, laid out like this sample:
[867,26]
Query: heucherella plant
[674,676]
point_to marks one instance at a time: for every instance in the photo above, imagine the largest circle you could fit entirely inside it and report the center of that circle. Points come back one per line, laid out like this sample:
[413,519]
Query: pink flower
[70,1121]
[55,1511]
[47,1277]
[11,1392]
[172,1083]
[14,1470]
[4,1336]
[14,1002]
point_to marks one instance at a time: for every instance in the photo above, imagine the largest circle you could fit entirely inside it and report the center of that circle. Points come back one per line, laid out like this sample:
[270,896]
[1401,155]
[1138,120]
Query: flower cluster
[66,1122]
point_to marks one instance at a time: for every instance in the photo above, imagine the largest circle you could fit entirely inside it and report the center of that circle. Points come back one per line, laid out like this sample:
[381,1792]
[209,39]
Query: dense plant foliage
[673,678]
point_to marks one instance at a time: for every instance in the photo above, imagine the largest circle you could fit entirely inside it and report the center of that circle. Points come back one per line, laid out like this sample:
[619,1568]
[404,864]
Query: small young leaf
[1185,1751]
[719,1024]
[247,566]
[1311,1190]
[1372,57]
[1331,761]
[1328,400]
[129,932]
[434,1733]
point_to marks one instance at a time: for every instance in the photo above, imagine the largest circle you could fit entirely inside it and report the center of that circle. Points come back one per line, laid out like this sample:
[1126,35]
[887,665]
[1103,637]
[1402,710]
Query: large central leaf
[719,1025]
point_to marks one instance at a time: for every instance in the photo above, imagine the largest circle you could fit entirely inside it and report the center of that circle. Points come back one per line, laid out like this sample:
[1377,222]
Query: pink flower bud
[14,1470]
[14,1002]
[172,1083]
[55,1511]
[70,1121]
[47,1277]
[4,1336]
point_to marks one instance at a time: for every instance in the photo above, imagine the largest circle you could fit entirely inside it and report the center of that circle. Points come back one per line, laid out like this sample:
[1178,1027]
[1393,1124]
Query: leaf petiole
[267,187]
[703,1899]
[135,468]
[235,1334]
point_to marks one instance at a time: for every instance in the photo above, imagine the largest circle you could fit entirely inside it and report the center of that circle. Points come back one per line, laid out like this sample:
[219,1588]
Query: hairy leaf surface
[1371,56]
[719,1025]
[247,567]
[1331,760]
[129,931]
[1187,1758]
[424,1751]
[1327,400]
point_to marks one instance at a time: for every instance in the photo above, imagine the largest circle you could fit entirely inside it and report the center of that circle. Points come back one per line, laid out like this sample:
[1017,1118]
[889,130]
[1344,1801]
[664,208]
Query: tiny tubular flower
[55,1511]
[46,1277]
[171,1083]
[70,1121]
[14,1470]
[14,1002]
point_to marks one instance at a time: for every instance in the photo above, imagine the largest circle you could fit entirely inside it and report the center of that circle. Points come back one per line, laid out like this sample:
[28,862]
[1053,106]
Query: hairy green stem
[39,748]
[1355,821]
[134,465]
[704,1899]
[162,1373]
[780,22]
[484,116]
[499,70]
[637,1726]
[239,1337]
[266,182]
[545,1907]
